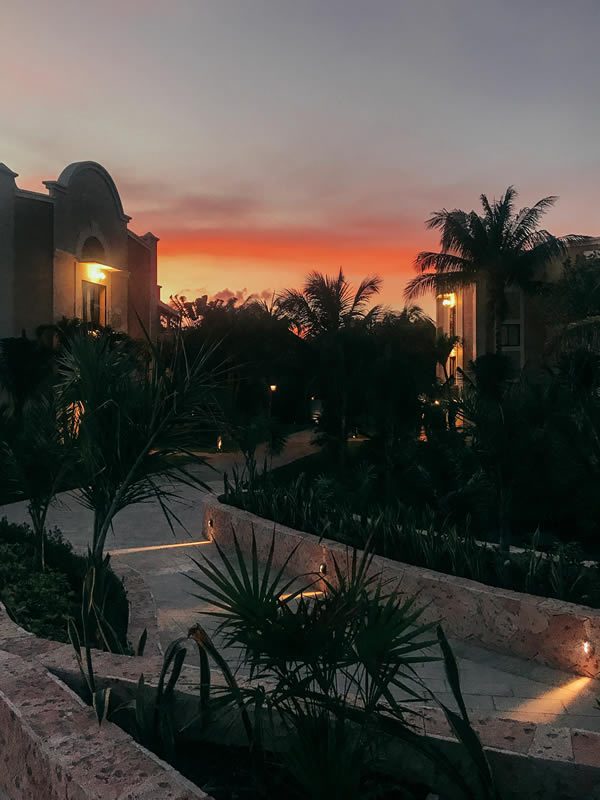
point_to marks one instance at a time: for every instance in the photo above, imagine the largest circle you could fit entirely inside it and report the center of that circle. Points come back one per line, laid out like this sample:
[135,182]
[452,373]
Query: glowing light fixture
[273,387]
[323,569]
[96,273]
[588,648]
[449,300]
[219,443]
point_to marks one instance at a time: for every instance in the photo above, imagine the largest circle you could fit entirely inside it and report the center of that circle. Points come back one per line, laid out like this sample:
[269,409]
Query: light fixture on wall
[96,273]
[449,300]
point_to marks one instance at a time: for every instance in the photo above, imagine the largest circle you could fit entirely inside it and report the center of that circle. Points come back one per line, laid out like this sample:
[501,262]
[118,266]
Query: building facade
[524,334]
[70,253]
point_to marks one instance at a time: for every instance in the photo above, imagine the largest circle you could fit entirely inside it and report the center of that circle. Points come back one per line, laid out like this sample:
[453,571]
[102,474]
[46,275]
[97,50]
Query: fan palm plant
[499,249]
[135,421]
[340,672]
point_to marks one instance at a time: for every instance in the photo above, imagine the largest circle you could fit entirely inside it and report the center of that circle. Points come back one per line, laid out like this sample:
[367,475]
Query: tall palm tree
[332,316]
[501,248]
[327,304]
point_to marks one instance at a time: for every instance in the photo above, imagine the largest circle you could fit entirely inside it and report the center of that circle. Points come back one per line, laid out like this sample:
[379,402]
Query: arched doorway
[94,291]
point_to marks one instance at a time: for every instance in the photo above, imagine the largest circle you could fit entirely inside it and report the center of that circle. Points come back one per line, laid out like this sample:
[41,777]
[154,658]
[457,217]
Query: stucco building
[524,333]
[70,253]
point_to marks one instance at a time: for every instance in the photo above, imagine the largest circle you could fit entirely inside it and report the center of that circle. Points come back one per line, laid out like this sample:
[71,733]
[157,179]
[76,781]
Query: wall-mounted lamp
[273,387]
[449,300]
[96,274]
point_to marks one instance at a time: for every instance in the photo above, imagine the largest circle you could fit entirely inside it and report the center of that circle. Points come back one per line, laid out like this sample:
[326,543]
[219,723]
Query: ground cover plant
[41,600]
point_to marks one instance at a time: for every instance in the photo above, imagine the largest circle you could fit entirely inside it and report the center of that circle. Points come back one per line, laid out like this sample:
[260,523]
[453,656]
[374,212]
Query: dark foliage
[42,601]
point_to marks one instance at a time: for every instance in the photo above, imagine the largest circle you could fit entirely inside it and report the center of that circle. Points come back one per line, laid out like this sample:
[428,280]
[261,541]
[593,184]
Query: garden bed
[42,600]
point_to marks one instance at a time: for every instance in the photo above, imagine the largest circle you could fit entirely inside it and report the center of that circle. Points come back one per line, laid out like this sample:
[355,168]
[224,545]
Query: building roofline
[62,184]
[147,240]
[31,195]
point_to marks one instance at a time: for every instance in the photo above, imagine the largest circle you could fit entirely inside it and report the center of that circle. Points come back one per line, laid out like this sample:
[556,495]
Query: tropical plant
[497,250]
[574,306]
[90,622]
[134,419]
[38,458]
[419,537]
[334,666]
[327,304]
[25,367]
[333,316]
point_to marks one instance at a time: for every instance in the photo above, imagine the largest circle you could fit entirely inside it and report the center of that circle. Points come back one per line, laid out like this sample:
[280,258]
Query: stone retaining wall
[142,608]
[51,747]
[545,630]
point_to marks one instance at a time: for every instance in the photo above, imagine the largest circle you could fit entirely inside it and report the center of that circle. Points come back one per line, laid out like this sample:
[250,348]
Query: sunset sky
[260,139]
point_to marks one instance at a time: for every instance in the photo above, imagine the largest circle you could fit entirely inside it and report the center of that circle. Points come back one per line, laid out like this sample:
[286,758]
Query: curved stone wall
[561,635]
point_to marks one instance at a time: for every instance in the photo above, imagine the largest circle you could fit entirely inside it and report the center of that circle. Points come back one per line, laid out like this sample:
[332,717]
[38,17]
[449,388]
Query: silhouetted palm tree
[327,304]
[444,345]
[500,248]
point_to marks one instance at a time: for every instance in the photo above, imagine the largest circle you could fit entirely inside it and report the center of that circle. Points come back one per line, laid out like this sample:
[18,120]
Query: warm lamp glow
[552,703]
[273,387]
[96,273]
[449,300]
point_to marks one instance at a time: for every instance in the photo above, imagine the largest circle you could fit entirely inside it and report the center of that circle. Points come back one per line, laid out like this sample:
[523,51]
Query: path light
[219,443]
[323,569]
[588,648]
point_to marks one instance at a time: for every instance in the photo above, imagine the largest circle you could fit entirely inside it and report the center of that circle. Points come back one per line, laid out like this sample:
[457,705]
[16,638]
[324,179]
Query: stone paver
[493,684]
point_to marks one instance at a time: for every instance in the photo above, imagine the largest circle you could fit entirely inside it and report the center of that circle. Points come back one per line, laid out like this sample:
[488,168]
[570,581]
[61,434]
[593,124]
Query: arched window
[92,250]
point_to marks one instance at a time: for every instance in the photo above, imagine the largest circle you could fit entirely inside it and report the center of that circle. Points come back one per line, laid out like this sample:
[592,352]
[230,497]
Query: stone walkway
[493,684]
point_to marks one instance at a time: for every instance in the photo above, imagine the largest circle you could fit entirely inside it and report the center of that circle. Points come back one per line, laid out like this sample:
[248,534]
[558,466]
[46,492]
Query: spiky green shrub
[421,539]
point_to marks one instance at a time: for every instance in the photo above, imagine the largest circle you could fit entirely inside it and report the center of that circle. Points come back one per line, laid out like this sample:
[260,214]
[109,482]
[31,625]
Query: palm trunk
[504,526]
[450,416]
